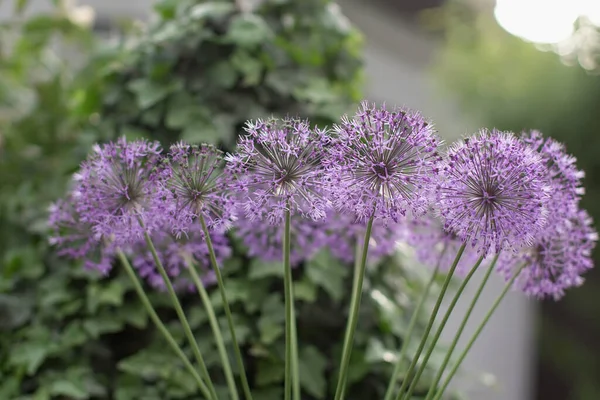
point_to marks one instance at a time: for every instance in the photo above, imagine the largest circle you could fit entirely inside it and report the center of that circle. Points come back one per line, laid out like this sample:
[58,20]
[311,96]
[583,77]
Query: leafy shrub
[197,73]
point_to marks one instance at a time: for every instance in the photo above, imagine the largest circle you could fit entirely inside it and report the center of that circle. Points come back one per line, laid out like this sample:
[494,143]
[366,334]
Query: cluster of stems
[408,375]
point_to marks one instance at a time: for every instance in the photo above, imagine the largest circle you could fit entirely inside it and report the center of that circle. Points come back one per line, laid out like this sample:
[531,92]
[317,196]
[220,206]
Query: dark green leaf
[312,366]
[248,30]
[72,389]
[262,269]
[328,273]
[269,371]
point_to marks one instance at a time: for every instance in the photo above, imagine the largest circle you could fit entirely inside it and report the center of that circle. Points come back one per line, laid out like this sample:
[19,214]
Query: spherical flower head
[383,163]
[563,175]
[557,259]
[74,239]
[436,247]
[493,191]
[265,241]
[192,178]
[174,253]
[115,191]
[278,167]
[345,233]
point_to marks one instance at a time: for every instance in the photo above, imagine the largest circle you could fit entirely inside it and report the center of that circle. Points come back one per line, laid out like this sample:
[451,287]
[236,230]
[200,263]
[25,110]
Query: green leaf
[248,30]
[248,66]
[261,269]
[29,355]
[101,325]
[269,371]
[73,390]
[210,9]
[305,290]
[312,366]
[102,293]
[329,273]
[222,74]
[148,92]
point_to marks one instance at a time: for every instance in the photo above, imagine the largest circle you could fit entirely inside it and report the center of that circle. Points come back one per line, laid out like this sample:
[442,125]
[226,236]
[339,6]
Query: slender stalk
[357,260]
[411,326]
[181,314]
[292,381]
[220,283]
[463,324]
[357,285]
[440,328]
[436,308]
[160,326]
[214,324]
[476,334]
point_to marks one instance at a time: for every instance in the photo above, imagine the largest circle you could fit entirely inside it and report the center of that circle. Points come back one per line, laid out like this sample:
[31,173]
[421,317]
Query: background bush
[197,73]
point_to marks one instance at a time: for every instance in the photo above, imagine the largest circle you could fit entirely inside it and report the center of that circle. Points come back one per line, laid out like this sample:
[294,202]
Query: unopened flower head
[265,241]
[278,167]
[557,260]
[175,253]
[383,162]
[345,235]
[564,177]
[76,240]
[115,191]
[434,246]
[493,191]
[192,176]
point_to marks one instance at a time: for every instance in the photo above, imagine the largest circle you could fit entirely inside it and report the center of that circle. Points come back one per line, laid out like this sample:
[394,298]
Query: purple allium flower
[434,245]
[75,239]
[493,191]
[556,260]
[173,253]
[192,177]
[265,241]
[115,190]
[279,163]
[383,162]
[565,178]
[344,233]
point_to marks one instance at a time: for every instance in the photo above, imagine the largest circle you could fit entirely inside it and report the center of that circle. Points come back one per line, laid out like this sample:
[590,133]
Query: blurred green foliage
[197,73]
[510,84]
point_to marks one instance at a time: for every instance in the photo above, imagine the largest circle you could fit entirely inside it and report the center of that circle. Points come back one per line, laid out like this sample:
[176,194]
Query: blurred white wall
[397,62]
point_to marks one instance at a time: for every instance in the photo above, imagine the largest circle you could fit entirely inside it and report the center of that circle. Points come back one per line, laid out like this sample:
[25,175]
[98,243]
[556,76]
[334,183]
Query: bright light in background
[544,21]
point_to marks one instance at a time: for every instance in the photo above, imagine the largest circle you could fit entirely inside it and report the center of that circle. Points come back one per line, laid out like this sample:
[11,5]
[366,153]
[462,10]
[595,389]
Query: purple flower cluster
[278,167]
[492,192]
[384,163]
[561,252]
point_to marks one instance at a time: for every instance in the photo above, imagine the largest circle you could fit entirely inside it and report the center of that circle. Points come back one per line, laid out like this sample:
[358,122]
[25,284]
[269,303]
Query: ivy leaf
[261,269]
[312,366]
[29,355]
[248,66]
[148,92]
[269,371]
[248,30]
[105,294]
[98,326]
[305,290]
[210,9]
[72,389]
[328,273]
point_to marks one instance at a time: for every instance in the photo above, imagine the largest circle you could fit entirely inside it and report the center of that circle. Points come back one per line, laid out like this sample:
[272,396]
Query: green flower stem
[357,260]
[439,330]
[436,309]
[411,326]
[214,324]
[238,354]
[476,334]
[292,380]
[179,310]
[159,324]
[357,286]
[463,324]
